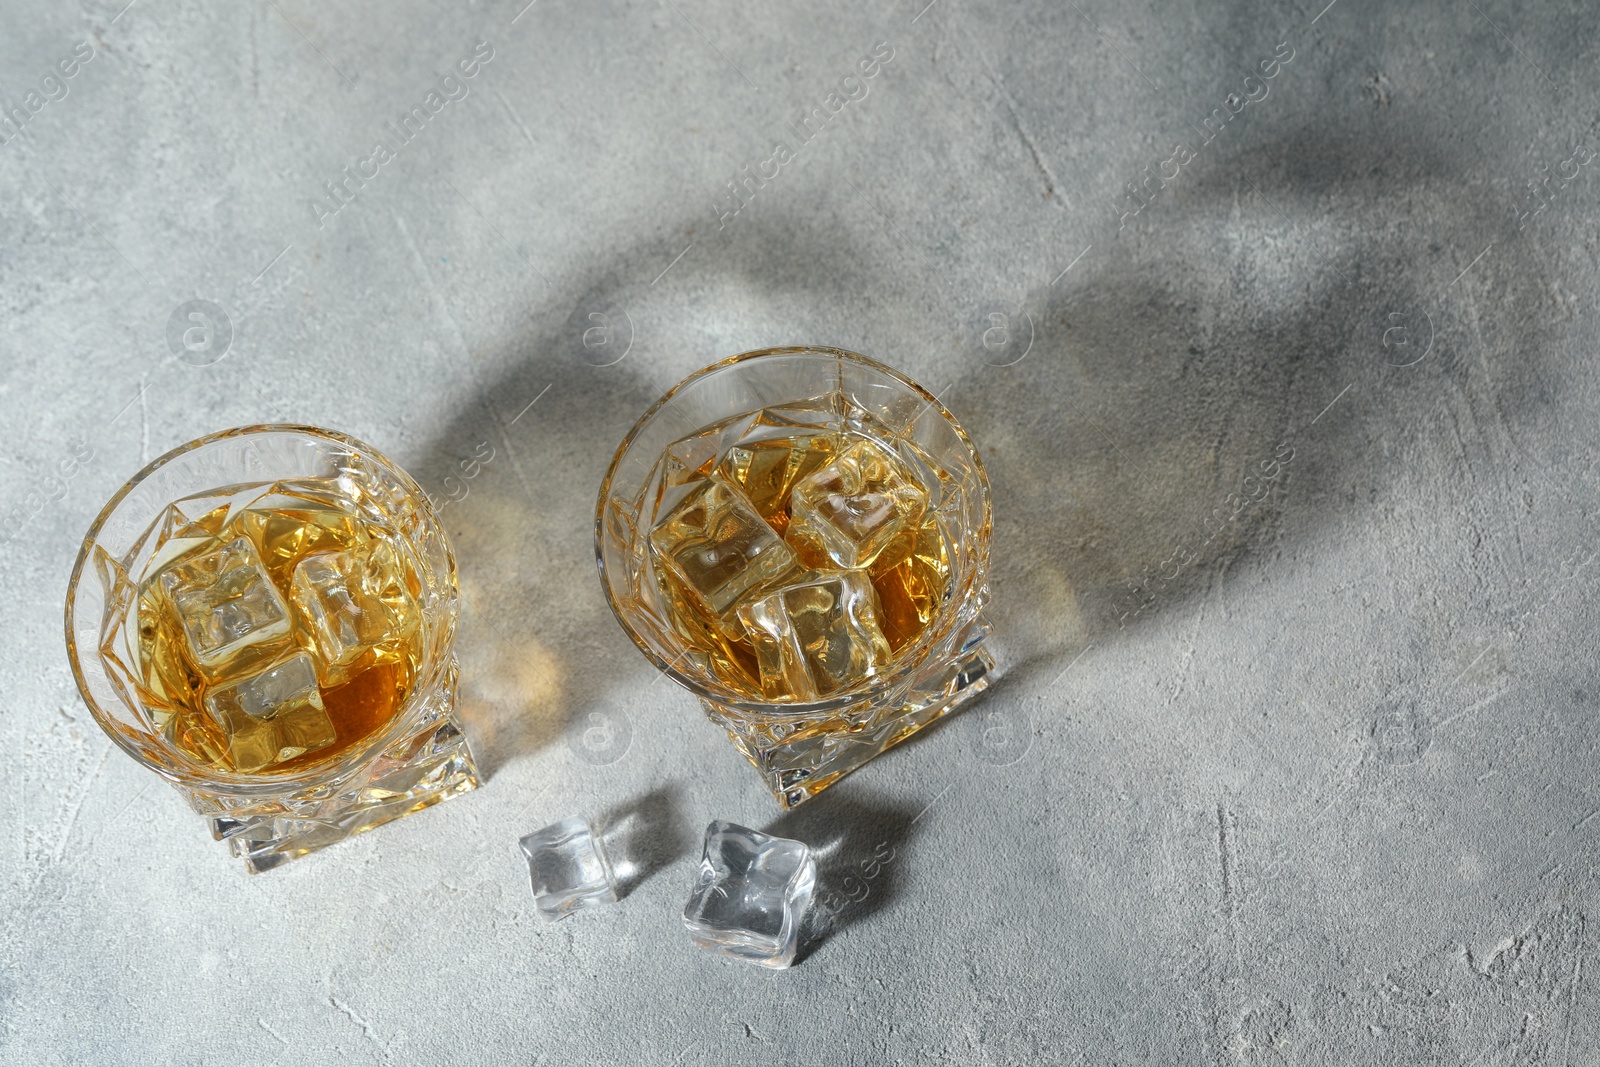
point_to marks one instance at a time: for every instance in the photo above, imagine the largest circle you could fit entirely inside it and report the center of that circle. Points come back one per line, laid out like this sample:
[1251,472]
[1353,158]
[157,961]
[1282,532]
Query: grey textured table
[1293,448]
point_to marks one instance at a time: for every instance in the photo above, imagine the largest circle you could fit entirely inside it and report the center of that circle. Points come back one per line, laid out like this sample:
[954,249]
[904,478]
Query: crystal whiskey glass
[265,617]
[800,537]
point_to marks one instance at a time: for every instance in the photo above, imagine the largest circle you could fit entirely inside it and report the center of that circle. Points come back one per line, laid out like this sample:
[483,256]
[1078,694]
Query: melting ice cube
[718,545]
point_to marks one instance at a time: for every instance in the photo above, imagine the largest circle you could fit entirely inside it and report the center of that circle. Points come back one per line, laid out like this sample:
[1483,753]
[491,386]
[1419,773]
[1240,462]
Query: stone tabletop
[1274,322]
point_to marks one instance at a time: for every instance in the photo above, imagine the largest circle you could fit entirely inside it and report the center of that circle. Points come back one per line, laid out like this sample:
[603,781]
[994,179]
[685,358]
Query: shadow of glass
[1187,405]
[518,470]
[1139,445]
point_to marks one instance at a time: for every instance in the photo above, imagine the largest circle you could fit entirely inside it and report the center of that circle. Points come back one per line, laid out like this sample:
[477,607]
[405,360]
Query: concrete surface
[1298,769]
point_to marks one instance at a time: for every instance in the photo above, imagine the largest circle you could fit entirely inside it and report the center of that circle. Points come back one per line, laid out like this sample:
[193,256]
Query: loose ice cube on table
[717,544]
[353,600]
[226,603]
[817,637]
[855,506]
[569,869]
[749,895]
[272,716]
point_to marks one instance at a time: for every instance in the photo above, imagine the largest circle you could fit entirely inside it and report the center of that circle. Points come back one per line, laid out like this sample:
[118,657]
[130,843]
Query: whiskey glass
[884,662]
[222,556]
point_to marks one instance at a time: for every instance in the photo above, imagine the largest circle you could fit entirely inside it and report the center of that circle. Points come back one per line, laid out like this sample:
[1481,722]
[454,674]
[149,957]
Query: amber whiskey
[275,629]
[797,549]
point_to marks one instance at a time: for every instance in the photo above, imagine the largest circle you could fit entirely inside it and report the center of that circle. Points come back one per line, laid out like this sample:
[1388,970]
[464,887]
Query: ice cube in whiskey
[795,548]
[855,506]
[272,716]
[352,602]
[816,638]
[287,637]
[226,603]
[719,546]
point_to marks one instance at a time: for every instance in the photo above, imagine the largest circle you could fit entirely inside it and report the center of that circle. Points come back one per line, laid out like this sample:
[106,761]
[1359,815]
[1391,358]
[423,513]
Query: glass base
[431,764]
[799,756]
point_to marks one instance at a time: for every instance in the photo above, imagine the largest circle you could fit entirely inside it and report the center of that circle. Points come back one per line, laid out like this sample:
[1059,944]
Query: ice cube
[353,601]
[856,506]
[749,895]
[717,544]
[767,462]
[569,869]
[272,716]
[817,637]
[226,602]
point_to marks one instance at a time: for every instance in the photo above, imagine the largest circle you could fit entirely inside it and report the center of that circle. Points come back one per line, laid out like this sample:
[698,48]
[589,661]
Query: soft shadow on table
[1237,328]
[519,468]
[643,836]
[856,839]
[1244,327]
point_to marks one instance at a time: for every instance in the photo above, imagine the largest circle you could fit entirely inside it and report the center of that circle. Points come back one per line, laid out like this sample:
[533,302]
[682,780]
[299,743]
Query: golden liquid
[360,693]
[909,579]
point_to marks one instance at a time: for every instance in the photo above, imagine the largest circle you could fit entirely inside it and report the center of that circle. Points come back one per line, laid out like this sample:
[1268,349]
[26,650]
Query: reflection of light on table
[511,691]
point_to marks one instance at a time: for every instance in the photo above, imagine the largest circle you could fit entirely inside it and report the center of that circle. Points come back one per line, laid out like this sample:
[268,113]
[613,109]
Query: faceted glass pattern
[811,561]
[750,894]
[192,658]
[569,869]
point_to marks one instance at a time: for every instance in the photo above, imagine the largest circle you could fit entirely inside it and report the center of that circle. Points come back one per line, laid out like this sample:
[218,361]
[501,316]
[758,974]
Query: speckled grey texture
[1293,770]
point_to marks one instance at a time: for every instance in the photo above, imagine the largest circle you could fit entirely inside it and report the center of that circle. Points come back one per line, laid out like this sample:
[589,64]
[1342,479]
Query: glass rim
[215,779]
[901,664]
